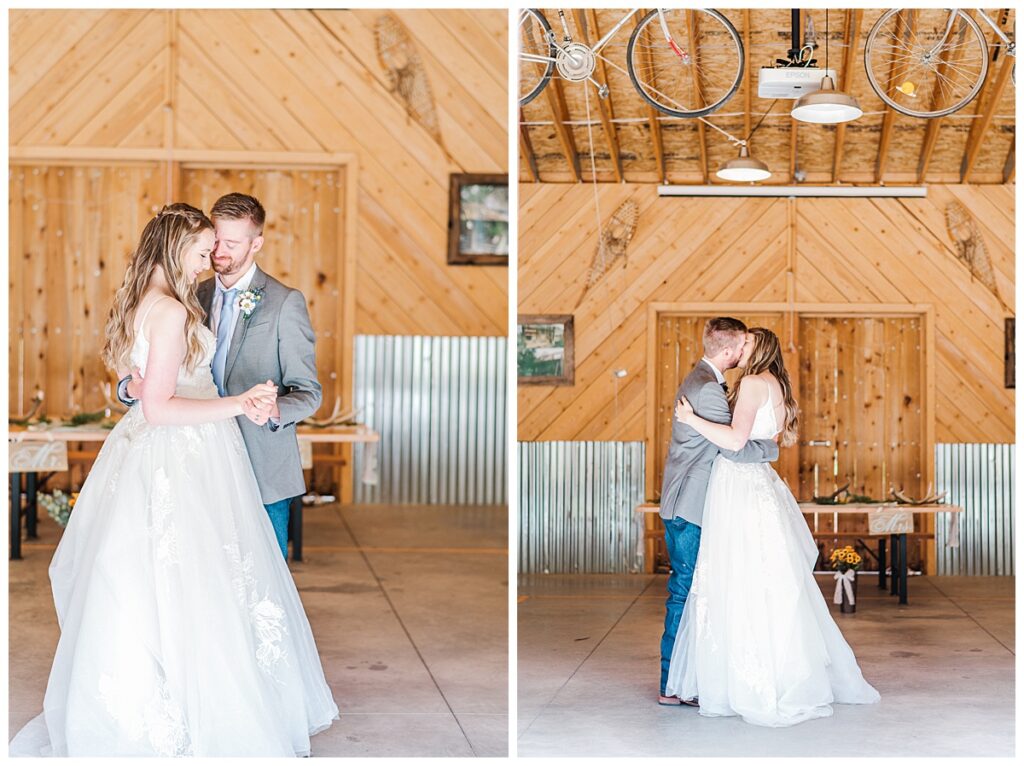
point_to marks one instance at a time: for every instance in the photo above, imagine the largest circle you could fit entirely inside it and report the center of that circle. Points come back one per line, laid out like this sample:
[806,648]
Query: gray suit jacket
[275,343]
[690,455]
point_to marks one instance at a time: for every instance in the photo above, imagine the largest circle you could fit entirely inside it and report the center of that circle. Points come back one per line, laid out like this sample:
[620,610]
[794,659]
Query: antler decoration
[929,498]
[971,248]
[336,418]
[406,74]
[37,403]
[833,498]
[615,238]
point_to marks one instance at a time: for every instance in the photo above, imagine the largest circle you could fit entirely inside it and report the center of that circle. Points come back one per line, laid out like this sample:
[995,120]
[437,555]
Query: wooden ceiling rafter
[556,100]
[978,130]
[748,117]
[692,30]
[881,148]
[854,17]
[1010,166]
[897,68]
[652,117]
[585,19]
[526,147]
[931,132]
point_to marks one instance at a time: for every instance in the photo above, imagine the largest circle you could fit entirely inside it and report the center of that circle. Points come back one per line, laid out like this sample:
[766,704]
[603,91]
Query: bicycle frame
[1011,47]
[596,47]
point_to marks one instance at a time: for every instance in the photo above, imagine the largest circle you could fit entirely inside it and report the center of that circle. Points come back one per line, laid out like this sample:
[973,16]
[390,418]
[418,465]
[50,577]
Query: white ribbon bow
[844,580]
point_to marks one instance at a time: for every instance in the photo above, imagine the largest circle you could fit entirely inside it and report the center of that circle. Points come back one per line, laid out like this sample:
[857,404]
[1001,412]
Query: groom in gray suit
[263,333]
[688,469]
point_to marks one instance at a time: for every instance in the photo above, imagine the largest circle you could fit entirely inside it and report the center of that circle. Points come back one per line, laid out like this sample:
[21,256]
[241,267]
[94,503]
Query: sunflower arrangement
[58,505]
[846,558]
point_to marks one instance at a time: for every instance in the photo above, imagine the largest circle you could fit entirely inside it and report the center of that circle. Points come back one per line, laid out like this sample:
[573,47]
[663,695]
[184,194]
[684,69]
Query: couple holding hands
[182,632]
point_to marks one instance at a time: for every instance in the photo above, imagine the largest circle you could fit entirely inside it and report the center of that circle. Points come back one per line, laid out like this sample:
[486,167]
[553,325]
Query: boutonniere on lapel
[248,300]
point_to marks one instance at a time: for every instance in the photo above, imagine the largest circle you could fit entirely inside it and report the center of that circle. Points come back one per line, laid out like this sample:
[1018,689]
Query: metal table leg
[31,509]
[903,568]
[295,523]
[15,516]
[881,562]
[894,566]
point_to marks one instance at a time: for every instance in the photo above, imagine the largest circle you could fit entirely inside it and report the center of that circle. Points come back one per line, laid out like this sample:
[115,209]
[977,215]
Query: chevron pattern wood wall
[295,81]
[739,250]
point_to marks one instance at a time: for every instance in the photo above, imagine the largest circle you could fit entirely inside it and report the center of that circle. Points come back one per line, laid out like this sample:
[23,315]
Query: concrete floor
[588,674]
[409,608]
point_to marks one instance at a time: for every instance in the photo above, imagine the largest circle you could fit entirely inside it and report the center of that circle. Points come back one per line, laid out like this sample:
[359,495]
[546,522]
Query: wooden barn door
[72,230]
[862,384]
[304,236]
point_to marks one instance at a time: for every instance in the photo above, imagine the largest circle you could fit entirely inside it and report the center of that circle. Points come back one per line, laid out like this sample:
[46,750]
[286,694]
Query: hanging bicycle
[930,62]
[683,62]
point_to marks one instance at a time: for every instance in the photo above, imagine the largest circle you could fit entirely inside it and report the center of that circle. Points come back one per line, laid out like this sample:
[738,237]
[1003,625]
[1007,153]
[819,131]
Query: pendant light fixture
[826,106]
[744,168]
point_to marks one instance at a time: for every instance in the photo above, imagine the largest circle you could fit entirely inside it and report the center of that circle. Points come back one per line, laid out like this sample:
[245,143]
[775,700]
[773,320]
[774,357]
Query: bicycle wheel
[536,54]
[926,62]
[695,70]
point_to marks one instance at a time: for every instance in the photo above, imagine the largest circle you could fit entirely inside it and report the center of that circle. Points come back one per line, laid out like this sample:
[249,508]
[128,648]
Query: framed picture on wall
[544,349]
[1009,354]
[478,219]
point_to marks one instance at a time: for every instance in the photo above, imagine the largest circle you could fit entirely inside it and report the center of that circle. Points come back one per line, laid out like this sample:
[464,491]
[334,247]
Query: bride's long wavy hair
[163,243]
[766,356]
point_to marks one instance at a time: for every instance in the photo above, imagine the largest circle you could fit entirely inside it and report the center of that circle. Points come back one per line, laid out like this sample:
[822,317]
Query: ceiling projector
[790,82]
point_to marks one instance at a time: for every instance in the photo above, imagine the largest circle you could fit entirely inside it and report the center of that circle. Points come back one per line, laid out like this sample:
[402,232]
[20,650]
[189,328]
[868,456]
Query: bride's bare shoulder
[162,311]
[756,383]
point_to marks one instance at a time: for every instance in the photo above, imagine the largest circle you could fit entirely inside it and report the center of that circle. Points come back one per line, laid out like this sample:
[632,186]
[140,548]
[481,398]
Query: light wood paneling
[293,81]
[72,231]
[737,250]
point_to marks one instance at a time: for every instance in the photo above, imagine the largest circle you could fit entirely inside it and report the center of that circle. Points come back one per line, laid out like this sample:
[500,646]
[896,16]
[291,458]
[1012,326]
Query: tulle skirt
[756,638]
[182,632]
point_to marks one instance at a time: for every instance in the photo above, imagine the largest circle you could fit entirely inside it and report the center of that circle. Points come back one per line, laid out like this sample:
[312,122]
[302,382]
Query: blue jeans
[683,541]
[278,513]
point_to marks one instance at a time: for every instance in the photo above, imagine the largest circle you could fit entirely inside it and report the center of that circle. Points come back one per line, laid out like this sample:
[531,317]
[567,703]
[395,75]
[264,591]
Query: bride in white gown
[756,638]
[182,632]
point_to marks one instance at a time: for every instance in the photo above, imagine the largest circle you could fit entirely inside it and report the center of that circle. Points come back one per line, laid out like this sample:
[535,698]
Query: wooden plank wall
[738,250]
[70,230]
[292,81]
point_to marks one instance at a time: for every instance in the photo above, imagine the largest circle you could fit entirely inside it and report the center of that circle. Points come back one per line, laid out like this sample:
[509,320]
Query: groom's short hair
[719,332]
[240,207]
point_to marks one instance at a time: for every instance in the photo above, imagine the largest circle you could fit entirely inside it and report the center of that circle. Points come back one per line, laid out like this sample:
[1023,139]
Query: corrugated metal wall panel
[576,502]
[980,478]
[577,498]
[439,405]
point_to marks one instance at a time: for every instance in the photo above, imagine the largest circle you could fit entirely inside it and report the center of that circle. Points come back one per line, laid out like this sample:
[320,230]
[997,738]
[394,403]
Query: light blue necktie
[220,356]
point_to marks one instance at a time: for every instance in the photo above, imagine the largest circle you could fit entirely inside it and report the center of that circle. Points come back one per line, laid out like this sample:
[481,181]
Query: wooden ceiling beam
[560,113]
[1010,166]
[977,134]
[931,132]
[605,109]
[748,117]
[692,30]
[897,69]
[652,119]
[853,20]
[526,147]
